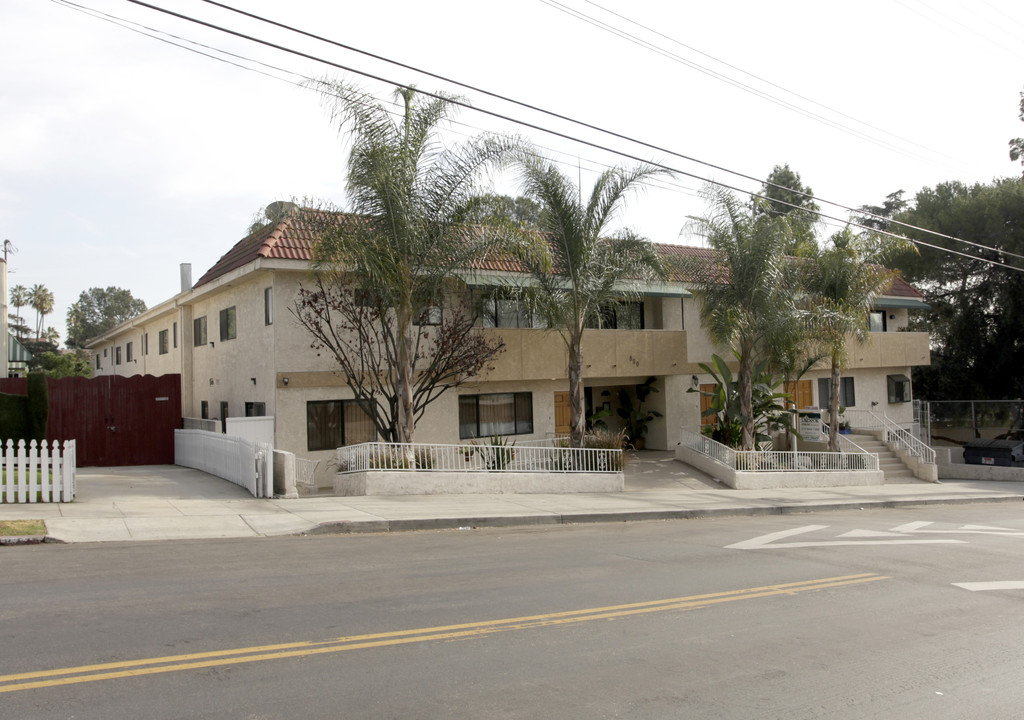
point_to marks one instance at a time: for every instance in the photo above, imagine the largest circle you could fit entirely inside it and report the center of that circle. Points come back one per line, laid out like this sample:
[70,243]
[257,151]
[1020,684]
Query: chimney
[186,277]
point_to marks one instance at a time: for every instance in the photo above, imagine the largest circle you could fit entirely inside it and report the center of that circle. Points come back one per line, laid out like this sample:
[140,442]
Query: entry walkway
[167,502]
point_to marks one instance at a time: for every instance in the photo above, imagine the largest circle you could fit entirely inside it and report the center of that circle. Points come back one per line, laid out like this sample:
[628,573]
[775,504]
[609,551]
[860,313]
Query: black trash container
[1002,453]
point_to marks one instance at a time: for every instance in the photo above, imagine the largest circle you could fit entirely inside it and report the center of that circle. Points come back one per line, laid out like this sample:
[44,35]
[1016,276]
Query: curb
[465,523]
[22,539]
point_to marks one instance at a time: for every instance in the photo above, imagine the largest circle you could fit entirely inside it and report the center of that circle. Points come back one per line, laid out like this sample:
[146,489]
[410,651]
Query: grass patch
[9,528]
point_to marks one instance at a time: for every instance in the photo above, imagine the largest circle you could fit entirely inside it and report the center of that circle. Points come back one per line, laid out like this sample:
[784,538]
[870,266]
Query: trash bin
[1003,453]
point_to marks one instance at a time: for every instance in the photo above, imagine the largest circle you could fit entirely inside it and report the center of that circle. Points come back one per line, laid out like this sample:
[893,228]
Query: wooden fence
[37,472]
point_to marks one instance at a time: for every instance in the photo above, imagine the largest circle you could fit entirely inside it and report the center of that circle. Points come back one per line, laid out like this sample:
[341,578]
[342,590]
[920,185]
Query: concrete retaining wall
[376,482]
[951,466]
[748,480]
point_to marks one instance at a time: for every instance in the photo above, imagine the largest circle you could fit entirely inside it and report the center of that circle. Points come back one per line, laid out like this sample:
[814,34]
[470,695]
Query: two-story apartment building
[241,352]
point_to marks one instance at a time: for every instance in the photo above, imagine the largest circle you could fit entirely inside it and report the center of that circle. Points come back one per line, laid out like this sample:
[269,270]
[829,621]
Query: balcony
[541,355]
[890,349]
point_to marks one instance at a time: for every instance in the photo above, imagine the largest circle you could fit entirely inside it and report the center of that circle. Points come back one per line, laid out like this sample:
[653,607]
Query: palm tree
[842,280]
[41,300]
[575,268]
[748,295]
[19,298]
[412,196]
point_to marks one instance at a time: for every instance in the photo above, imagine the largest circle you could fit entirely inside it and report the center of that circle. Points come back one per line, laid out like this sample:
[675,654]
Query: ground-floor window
[847,397]
[899,388]
[495,414]
[333,423]
[255,409]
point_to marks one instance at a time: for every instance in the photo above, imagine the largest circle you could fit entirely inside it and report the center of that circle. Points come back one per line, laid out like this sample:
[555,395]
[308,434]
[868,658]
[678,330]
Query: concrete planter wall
[404,482]
[749,480]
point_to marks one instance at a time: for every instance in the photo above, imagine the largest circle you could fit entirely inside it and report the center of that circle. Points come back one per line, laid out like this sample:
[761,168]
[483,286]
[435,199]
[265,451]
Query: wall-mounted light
[694,380]
[252,380]
[211,343]
[892,317]
[284,380]
[211,381]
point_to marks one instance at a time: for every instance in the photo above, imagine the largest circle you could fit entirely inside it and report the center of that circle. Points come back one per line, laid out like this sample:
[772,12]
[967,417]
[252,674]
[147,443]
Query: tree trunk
[577,419]
[833,407]
[746,399]
[406,419]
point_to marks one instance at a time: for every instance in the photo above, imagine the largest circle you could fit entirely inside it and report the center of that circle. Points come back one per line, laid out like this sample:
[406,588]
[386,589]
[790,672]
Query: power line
[572,12]
[539,128]
[535,108]
[764,80]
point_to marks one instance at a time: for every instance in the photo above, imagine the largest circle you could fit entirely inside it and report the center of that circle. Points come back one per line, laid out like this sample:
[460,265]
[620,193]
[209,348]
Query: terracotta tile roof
[292,238]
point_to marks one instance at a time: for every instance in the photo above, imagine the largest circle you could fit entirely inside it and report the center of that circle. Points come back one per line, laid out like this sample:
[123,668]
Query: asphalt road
[870,614]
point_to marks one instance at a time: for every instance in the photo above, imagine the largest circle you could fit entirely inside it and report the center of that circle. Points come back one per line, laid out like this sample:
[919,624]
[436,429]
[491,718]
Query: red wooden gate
[115,420]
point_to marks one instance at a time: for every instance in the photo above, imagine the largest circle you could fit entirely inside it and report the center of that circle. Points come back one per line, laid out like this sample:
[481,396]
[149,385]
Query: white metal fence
[37,472]
[249,464]
[531,456]
[777,460]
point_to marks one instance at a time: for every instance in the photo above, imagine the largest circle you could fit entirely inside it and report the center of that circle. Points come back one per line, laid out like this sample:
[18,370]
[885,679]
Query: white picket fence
[36,472]
[249,464]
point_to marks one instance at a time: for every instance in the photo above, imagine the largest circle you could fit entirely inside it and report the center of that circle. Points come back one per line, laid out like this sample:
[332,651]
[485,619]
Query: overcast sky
[122,156]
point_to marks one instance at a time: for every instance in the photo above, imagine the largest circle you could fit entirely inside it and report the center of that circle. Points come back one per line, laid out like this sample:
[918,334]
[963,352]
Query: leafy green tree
[842,281]
[67,364]
[576,264]
[1017,144]
[878,217]
[976,294]
[41,300]
[748,294]
[788,197]
[97,311]
[412,197]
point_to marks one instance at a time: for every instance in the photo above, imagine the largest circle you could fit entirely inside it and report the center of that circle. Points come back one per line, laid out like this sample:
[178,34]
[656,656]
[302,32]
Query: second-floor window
[876,321]
[619,316]
[161,342]
[199,331]
[127,352]
[228,326]
[117,355]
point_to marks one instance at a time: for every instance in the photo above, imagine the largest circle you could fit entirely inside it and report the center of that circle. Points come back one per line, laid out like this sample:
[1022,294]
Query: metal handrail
[904,439]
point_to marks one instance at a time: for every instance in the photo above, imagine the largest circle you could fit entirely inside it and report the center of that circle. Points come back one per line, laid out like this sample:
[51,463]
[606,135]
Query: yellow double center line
[236,656]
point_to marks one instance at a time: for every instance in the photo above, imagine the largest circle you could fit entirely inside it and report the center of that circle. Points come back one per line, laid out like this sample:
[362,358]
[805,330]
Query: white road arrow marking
[870,533]
[910,527]
[992,585]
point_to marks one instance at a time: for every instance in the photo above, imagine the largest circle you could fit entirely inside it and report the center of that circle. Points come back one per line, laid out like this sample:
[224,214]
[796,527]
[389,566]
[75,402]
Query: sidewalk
[167,502]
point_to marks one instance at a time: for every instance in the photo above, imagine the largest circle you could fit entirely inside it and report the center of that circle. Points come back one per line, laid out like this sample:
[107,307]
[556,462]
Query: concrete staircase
[888,462]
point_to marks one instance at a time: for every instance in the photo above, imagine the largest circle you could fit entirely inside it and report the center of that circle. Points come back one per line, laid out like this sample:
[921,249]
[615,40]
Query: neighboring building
[18,358]
[240,352]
